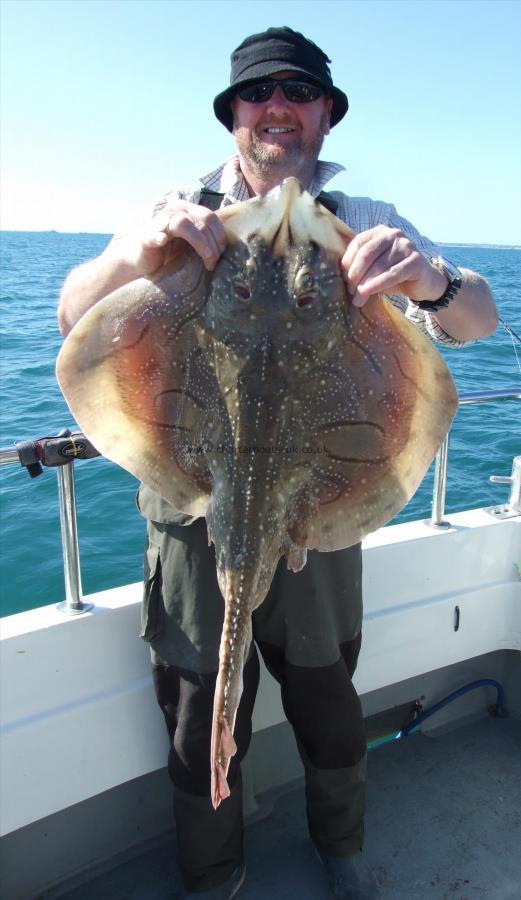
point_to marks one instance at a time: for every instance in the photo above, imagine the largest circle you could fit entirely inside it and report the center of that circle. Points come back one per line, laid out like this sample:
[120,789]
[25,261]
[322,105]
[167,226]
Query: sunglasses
[295,91]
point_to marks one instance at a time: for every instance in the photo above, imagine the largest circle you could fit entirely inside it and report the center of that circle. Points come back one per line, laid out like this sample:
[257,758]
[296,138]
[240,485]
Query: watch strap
[455,281]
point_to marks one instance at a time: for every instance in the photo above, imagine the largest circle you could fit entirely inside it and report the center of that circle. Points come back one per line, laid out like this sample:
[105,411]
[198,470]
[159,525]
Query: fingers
[379,259]
[155,238]
[383,277]
[196,225]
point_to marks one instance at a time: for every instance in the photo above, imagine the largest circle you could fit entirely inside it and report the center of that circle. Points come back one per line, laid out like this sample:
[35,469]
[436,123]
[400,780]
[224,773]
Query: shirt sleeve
[190,194]
[362,213]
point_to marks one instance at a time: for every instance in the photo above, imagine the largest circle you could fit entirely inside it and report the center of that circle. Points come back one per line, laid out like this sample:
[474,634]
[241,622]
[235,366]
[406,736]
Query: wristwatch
[453,274]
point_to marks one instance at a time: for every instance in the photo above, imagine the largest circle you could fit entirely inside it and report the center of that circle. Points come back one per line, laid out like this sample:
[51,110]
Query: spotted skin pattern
[259,397]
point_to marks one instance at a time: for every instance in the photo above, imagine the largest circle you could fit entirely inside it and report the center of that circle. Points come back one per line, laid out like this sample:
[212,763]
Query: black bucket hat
[272,51]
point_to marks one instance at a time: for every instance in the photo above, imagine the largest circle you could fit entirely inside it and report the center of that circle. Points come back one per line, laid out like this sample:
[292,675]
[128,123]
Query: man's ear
[233,103]
[329,107]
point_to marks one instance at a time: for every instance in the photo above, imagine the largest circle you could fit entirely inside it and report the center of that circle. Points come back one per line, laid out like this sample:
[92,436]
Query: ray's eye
[305,290]
[242,290]
[304,280]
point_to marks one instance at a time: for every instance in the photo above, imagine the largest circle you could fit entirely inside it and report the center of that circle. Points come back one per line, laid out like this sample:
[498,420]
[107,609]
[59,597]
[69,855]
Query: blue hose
[408,729]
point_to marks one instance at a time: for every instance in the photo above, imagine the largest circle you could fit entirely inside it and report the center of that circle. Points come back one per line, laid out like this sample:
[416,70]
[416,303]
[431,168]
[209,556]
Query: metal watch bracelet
[455,281]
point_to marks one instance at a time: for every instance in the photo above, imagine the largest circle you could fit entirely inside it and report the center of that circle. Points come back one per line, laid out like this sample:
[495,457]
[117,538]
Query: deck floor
[443,821]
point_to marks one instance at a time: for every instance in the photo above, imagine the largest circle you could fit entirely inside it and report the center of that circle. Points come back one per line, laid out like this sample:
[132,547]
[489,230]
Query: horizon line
[456,243]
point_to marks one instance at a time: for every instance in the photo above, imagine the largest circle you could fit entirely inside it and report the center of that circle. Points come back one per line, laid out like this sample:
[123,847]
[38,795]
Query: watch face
[452,272]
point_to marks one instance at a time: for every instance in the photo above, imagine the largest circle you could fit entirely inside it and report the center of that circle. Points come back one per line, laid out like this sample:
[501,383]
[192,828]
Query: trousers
[319,698]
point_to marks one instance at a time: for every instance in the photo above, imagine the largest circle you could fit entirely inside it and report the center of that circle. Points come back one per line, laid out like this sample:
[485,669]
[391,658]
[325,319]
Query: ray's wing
[137,383]
[389,405]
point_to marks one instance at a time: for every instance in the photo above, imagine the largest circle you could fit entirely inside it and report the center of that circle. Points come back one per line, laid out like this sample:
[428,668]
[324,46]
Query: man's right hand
[140,252]
[196,225]
[143,251]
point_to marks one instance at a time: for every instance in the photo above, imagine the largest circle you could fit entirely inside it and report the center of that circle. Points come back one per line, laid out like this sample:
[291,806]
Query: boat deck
[443,821]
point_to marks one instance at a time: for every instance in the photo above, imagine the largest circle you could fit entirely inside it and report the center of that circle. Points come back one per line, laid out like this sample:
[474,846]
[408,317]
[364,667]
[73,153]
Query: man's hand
[383,259]
[144,251]
[140,252]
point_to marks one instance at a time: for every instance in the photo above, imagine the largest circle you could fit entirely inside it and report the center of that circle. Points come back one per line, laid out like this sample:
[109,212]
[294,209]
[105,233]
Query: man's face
[268,151]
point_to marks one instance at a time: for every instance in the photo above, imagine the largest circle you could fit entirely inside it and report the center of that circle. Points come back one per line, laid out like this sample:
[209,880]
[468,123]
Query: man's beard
[278,160]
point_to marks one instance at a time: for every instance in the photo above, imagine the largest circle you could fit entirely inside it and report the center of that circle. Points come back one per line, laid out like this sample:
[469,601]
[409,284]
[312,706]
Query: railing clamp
[54,451]
[513,507]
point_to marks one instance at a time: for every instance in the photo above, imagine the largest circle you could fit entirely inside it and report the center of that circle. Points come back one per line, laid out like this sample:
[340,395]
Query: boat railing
[513,507]
[61,450]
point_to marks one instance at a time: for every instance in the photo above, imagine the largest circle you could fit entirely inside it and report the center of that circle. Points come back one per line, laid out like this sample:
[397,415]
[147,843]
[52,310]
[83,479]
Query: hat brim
[222,102]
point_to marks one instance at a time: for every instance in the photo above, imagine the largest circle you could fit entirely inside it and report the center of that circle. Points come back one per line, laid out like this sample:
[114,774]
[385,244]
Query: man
[280,105]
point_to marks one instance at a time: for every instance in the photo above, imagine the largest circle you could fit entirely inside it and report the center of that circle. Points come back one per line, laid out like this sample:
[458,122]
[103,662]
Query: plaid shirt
[359,213]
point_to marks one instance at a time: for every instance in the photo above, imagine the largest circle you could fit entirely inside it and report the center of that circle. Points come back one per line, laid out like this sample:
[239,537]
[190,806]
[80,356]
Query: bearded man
[280,105]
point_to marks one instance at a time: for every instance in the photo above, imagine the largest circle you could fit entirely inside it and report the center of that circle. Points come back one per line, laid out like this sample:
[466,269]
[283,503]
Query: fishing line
[513,337]
[510,330]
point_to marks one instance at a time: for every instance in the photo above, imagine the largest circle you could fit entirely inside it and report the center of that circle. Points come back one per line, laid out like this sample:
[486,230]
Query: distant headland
[479,246]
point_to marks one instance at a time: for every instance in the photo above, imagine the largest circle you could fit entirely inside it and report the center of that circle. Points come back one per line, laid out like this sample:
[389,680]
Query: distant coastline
[47,231]
[53,231]
[479,246]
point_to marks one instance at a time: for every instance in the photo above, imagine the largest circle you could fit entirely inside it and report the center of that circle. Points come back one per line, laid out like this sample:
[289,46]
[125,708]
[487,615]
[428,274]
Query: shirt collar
[228,179]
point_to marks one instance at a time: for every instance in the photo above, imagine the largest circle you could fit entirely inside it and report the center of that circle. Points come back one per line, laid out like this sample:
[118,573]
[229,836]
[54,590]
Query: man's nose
[278,99]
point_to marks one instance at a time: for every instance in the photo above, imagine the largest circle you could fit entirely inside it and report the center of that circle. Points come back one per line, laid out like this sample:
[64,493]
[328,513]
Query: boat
[85,797]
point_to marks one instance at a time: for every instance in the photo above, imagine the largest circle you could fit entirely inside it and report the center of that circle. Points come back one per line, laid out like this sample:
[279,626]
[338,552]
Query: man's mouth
[273,130]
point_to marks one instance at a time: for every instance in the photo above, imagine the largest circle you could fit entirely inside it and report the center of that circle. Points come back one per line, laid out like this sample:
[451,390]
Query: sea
[484,438]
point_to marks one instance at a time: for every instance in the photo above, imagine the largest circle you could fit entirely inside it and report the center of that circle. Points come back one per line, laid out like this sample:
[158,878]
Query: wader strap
[213,199]
[328,201]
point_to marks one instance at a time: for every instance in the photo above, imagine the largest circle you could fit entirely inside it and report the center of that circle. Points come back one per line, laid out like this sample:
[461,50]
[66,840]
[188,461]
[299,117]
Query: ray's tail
[235,643]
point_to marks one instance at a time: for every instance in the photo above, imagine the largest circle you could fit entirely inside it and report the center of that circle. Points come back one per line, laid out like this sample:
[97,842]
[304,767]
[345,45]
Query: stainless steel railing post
[73,604]
[440,486]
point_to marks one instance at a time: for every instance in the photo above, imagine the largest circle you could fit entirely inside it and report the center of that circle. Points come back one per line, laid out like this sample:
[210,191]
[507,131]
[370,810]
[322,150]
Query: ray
[259,397]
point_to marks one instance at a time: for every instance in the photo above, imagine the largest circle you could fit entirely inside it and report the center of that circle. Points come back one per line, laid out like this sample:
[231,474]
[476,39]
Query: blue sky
[106,103]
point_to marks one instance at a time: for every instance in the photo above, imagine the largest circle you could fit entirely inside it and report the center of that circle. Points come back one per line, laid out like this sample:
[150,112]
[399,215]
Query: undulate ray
[260,397]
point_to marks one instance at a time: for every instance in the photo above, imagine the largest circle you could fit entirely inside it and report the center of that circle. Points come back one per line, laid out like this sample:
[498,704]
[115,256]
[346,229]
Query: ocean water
[484,438]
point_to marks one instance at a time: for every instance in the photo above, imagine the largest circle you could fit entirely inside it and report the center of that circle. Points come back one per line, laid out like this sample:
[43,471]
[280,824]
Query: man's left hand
[384,259]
